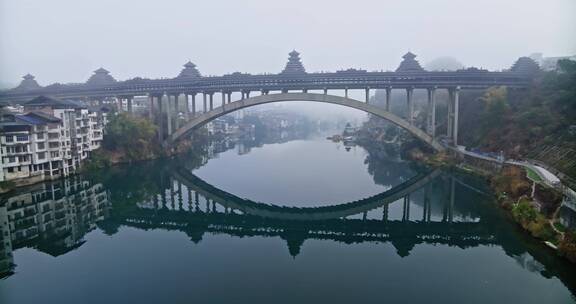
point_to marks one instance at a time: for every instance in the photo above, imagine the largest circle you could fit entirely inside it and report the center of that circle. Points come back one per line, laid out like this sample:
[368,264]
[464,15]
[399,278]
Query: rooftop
[44,101]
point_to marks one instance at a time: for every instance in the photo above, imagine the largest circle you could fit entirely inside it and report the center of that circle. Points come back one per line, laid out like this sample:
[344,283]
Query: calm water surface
[231,224]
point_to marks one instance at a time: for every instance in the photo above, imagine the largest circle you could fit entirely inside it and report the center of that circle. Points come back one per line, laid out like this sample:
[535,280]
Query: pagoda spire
[28,83]
[189,71]
[100,77]
[409,64]
[294,64]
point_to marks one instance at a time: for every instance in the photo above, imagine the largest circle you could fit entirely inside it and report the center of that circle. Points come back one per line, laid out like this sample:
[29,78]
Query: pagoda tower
[409,64]
[189,71]
[525,65]
[100,77]
[28,83]
[294,64]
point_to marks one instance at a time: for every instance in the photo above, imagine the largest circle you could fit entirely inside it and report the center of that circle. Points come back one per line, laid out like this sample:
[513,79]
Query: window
[42,155]
[41,146]
[9,138]
[11,159]
[21,137]
[11,170]
[40,136]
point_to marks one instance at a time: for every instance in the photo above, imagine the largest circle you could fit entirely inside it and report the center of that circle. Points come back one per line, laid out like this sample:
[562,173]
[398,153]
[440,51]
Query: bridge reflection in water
[54,217]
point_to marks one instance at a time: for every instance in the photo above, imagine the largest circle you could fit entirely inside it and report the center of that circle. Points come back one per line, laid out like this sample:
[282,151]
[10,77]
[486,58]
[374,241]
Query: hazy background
[65,40]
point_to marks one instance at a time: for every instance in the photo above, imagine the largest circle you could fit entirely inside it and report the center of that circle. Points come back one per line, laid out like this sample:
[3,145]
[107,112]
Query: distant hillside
[538,123]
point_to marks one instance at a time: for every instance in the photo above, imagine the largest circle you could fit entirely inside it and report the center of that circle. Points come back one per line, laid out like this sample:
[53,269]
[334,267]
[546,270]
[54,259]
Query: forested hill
[537,123]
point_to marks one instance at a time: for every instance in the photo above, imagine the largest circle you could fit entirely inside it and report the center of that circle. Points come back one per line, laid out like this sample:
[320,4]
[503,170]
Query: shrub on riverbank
[511,182]
[131,138]
[567,246]
[526,215]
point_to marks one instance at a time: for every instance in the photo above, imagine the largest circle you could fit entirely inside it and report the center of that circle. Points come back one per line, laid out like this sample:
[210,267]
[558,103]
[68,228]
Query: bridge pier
[385,213]
[427,212]
[453,109]
[151,107]
[388,97]
[160,119]
[406,209]
[367,90]
[346,92]
[456,110]
[450,113]
[168,114]
[410,103]
[204,102]
[193,97]
[452,197]
[176,123]
[223,99]
[431,117]
[129,104]
[211,101]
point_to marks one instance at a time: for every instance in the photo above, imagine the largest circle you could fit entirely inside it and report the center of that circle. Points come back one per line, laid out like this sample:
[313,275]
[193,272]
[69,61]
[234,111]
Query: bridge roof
[294,77]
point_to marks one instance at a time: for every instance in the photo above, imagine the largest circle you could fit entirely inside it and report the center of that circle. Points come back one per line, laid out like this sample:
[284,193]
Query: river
[303,220]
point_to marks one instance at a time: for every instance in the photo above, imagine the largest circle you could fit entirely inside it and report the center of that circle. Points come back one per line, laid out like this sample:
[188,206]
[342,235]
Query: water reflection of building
[6,259]
[52,217]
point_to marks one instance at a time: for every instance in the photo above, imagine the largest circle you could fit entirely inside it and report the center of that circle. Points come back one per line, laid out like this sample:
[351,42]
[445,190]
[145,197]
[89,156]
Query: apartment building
[50,140]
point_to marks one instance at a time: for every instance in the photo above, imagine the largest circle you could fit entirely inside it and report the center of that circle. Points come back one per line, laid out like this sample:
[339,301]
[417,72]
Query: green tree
[134,137]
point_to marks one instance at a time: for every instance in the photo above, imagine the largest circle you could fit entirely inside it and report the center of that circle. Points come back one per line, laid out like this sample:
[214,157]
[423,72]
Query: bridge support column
[169,114]
[431,118]
[325,91]
[193,104]
[367,95]
[160,119]
[406,209]
[450,121]
[204,102]
[150,107]
[119,104]
[426,213]
[211,101]
[385,212]
[186,106]
[451,206]
[388,96]
[229,97]
[456,106]
[129,104]
[223,98]
[409,96]
[346,92]
[176,111]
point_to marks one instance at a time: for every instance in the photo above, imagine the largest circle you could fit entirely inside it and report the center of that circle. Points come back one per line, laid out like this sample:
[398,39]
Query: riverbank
[528,201]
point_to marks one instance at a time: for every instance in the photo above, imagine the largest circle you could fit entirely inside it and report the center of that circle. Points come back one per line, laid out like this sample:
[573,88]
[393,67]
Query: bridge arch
[191,181]
[204,118]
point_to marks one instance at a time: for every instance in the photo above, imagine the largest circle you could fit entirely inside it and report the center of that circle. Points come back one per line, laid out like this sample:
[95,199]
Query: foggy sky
[65,40]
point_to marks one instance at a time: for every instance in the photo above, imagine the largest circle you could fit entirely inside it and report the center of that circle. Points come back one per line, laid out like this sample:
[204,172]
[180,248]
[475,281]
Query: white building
[49,141]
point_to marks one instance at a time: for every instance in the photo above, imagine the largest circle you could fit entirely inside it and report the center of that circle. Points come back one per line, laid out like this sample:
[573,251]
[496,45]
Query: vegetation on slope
[127,138]
[539,122]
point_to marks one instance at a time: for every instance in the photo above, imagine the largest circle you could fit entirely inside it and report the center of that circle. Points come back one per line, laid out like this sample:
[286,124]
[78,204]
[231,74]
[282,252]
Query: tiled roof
[53,102]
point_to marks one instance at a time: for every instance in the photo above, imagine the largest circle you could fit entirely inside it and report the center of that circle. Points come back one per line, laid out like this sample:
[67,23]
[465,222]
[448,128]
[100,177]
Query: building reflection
[433,208]
[52,217]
